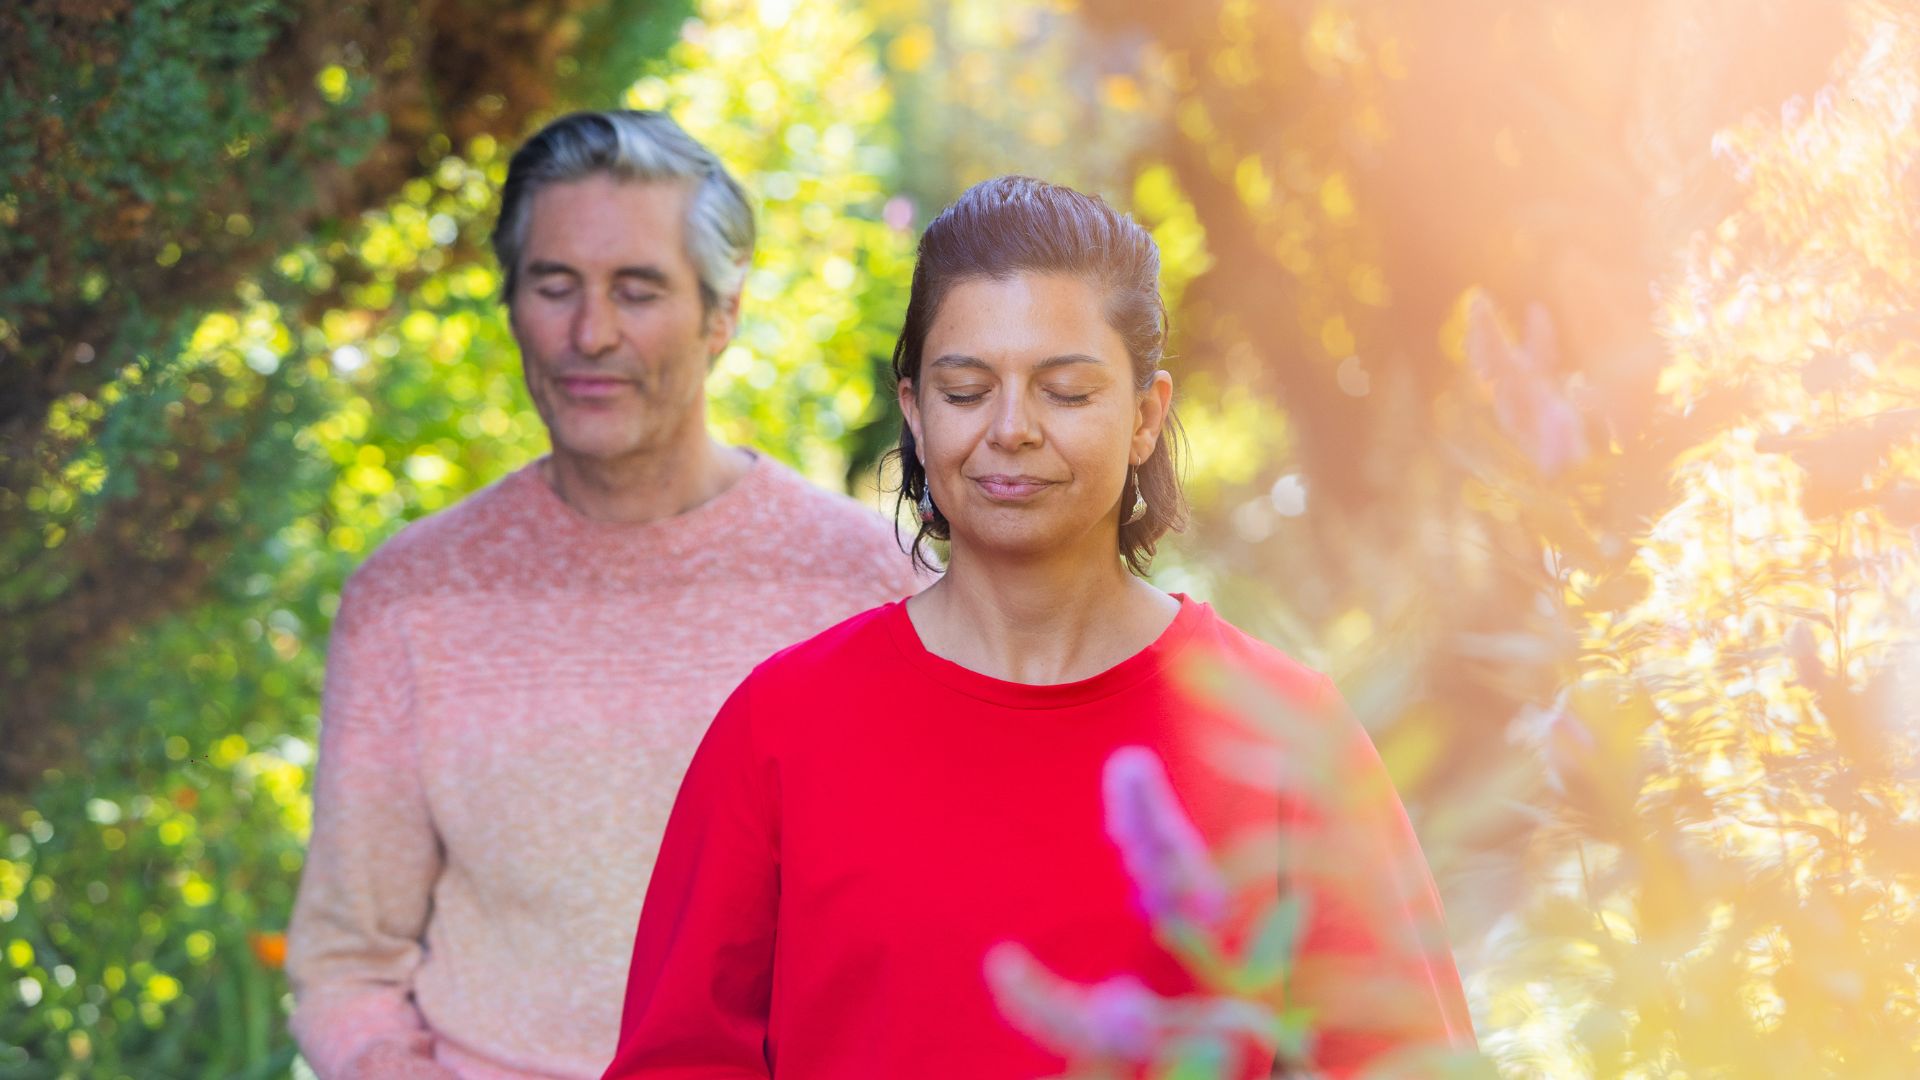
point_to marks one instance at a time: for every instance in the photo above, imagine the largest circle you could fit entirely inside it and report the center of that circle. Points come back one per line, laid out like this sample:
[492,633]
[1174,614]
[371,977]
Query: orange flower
[270,949]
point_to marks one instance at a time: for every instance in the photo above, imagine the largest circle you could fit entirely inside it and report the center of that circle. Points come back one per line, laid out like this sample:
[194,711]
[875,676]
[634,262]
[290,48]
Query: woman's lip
[1010,487]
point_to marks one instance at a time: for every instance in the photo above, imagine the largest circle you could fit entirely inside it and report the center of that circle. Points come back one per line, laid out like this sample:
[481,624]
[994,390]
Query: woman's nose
[1014,423]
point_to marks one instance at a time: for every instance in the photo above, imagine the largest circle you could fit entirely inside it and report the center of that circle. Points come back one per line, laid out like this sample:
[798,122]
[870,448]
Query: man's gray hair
[632,144]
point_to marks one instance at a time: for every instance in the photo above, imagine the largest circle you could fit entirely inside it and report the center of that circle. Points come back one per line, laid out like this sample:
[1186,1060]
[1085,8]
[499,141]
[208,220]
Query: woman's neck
[1039,621]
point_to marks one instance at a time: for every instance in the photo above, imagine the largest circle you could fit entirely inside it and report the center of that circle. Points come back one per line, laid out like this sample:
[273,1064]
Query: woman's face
[1026,416]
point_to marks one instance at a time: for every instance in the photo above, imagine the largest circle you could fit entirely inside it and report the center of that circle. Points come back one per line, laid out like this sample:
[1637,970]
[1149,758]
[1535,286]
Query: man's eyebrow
[650,274]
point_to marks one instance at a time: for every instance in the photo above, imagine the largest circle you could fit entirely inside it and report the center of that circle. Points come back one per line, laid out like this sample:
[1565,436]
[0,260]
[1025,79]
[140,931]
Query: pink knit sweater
[513,692]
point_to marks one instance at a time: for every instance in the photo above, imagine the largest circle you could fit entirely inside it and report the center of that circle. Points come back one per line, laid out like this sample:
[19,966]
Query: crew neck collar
[1127,673]
[729,506]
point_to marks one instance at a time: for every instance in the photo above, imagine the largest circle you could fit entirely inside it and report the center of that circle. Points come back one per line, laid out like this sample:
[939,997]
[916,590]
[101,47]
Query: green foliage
[158,159]
[186,471]
[614,40]
[143,892]
[144,157]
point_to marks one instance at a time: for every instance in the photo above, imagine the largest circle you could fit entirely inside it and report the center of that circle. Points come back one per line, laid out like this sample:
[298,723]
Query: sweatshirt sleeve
[701,981]
[355,938]
[1374,967]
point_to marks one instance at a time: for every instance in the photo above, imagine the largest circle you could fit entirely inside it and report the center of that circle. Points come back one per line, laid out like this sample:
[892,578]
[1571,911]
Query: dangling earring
[926,503]
[1139,500]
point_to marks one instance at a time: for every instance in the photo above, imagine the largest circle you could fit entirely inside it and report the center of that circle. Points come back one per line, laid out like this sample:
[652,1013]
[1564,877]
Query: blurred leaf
[1272,951]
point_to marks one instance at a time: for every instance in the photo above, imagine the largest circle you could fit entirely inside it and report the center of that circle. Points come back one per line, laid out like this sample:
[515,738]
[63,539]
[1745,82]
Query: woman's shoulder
[827,683]
[849,648]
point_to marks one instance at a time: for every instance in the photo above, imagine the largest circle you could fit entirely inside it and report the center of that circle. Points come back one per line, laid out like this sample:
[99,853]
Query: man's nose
[596,326]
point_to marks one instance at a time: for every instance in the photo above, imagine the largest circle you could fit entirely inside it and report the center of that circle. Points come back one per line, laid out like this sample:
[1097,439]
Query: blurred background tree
[1546,382]
[1727,885]
[158,160]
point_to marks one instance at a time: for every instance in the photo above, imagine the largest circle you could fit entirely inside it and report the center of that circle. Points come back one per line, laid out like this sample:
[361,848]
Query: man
[516,684]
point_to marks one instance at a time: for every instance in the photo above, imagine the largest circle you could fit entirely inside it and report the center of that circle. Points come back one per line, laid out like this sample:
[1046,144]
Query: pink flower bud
[1163,852]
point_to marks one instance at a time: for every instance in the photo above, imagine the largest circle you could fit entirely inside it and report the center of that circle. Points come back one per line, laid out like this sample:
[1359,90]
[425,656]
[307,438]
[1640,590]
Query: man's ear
[722,323]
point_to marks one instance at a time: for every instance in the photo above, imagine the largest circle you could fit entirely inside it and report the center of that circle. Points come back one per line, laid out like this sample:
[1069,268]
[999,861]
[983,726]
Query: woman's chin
[1016,536]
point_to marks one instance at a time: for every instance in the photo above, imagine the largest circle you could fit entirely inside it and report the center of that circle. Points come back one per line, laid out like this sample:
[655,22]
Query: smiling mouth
[1011,488]
[591,387]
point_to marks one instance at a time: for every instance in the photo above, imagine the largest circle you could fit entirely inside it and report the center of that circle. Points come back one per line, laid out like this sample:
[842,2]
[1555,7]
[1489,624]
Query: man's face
[608,316]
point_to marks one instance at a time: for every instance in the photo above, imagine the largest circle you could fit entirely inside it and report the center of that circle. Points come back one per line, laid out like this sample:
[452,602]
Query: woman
[879,807]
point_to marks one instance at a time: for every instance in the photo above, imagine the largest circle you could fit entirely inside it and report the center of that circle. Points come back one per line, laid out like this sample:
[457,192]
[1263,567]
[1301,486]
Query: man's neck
[1040,621]
[640,488]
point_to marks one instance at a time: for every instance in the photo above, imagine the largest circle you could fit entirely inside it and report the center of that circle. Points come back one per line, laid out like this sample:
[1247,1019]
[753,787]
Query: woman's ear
[910,410]
[1155,401]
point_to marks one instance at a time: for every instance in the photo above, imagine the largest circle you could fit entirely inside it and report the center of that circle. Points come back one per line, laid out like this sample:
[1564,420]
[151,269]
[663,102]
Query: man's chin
[598,446]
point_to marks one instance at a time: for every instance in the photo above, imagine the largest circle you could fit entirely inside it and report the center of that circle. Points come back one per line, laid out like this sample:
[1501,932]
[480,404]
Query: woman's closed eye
[968,395]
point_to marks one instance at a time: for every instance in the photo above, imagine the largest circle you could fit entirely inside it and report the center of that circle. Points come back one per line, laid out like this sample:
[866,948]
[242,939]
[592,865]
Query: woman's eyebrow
[960,360]
[1067,358]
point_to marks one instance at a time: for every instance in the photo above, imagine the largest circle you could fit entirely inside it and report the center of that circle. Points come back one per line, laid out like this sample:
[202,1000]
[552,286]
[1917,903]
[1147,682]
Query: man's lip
[591,385]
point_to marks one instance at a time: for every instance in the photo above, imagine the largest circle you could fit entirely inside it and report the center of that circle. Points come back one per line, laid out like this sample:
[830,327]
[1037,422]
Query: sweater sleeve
[1374,966]
[355,938]
[701,981]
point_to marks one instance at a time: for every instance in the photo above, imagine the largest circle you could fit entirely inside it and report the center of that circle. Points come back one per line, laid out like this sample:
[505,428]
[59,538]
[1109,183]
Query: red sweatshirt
[866,820]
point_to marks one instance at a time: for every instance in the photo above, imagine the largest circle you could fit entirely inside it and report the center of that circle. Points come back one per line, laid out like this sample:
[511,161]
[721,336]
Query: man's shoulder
[447,549]
[822,511]
[837,533]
